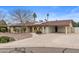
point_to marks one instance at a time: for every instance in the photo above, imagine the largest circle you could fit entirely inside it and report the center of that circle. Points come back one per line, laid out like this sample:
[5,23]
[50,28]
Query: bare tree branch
[21,15]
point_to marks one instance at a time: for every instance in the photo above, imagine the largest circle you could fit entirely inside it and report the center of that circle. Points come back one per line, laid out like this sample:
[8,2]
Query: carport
[59,26]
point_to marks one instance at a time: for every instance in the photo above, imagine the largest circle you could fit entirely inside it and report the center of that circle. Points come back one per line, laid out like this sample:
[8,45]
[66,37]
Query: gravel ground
[17,36]
[53,42]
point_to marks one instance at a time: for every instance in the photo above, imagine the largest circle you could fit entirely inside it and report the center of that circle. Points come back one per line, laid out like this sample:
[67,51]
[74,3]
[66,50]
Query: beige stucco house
[58,26]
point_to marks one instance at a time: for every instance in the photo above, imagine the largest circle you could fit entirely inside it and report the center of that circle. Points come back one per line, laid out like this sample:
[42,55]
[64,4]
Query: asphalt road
[38,50]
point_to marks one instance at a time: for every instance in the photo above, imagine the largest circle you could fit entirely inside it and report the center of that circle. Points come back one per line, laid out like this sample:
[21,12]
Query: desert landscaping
[24,30]
[17,36]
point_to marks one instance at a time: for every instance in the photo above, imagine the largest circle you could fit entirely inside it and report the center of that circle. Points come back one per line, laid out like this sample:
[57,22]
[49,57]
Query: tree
[34,16]
[3,24]
[76,24]
[21,15]
[45,20]
[40,20]
[47,16]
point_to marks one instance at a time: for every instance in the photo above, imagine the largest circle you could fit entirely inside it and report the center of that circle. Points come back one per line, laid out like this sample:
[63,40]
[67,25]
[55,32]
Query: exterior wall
[67,29]
[8,29]
[61,29]
[70,29]
[71,24]
[19,28]
[27,29]
[52,29]
[43,30]
[76,29]
[73,29]
[12,30]
[35,29]
[47,30]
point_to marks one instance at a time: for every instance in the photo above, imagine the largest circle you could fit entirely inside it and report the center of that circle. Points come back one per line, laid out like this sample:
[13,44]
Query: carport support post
[66,30]
[32,29]
[43,31]
[8,29]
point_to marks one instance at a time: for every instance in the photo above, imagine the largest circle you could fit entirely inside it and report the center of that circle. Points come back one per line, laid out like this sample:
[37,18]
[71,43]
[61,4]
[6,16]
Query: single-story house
[58,26]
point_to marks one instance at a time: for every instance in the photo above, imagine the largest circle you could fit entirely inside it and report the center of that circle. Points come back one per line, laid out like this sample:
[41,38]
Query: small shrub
[5,39]
[3,30]
[38,32]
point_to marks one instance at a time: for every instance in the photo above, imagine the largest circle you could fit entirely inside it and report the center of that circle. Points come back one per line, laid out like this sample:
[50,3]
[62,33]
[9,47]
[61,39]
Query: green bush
[5,39]
[3,30]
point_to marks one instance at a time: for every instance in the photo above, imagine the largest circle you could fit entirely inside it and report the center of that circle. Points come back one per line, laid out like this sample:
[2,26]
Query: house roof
[48,23]
[20,24]
[58,23]
[54,23]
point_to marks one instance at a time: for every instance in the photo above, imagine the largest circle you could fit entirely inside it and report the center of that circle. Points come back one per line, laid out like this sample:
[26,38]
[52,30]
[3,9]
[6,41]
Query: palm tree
[45,20]
[47,16]
[34,16]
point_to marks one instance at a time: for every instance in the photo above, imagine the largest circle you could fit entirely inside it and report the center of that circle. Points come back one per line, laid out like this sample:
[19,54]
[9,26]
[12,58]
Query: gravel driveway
[54,42]
[17,36]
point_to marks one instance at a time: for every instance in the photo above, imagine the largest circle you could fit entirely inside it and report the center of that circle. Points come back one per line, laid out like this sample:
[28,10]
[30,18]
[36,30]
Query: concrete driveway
[69,42]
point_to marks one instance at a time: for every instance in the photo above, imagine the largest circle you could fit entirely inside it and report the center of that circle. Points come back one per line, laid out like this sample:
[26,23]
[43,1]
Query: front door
[56,29]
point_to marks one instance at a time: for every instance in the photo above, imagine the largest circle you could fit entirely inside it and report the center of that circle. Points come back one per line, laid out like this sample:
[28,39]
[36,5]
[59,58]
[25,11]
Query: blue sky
[55,12]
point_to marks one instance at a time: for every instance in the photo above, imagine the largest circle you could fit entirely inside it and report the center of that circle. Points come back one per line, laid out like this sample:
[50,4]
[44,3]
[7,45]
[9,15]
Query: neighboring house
[58,26]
